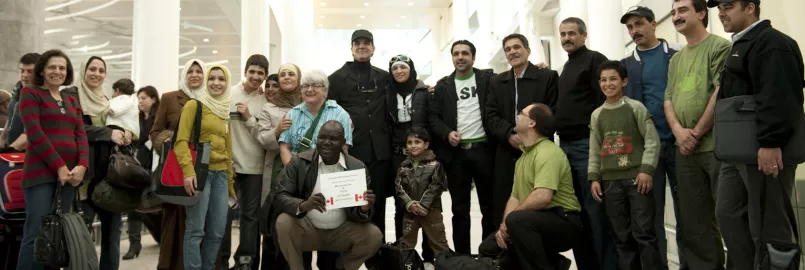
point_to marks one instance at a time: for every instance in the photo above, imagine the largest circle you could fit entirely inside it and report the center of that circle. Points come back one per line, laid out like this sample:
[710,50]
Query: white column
[529,29]
[461,17]
[299,39]
[605,33]
[483,38]
[22,31]
[155,44]
[255,31]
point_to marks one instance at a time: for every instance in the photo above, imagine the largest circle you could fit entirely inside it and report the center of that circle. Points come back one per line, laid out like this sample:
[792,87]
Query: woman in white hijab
[206,220]
[166,121]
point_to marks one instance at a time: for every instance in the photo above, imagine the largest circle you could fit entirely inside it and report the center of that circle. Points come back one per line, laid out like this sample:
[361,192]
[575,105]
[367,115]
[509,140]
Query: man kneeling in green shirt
[624,148]
[541,218]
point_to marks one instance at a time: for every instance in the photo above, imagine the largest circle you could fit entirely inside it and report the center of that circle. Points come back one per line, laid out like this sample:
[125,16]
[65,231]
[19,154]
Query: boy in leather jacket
[419,184]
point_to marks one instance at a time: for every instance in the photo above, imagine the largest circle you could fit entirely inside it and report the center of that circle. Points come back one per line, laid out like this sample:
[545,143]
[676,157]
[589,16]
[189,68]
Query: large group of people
[624,127]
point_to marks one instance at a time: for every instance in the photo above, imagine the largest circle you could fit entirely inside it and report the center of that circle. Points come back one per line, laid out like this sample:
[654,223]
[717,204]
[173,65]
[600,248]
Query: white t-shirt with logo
[469,121]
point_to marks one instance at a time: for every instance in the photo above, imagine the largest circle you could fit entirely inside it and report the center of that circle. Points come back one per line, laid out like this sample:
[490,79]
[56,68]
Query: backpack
[12,196]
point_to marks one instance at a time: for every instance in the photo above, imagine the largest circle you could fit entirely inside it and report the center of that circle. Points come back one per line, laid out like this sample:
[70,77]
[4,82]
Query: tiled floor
[150,253]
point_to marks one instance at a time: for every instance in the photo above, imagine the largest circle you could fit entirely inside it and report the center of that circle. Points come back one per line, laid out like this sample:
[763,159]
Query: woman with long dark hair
[148,103]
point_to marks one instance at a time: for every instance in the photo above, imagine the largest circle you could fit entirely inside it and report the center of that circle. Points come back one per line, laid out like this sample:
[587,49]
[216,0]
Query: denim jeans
[39,202]
[110,233]
[594,219]
[666,167]
[206,219]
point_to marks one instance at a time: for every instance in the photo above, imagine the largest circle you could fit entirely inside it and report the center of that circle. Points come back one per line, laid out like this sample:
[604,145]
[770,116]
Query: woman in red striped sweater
[57,153]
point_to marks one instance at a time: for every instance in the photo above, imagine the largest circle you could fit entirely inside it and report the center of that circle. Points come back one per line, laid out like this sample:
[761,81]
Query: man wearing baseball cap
[647,67]
[754,200]
[360,89]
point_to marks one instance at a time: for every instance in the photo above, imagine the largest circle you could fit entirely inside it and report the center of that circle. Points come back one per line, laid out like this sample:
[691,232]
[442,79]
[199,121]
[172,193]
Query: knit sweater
[247,152]
[55,133]
[215,131]
[623,141]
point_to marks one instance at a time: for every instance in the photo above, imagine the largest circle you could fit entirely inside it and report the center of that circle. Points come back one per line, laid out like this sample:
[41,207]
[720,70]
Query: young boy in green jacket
[624,149]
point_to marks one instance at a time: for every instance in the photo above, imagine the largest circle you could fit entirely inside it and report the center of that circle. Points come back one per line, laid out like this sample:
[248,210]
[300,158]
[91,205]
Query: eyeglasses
[399,58]
[306,86]
[364,89]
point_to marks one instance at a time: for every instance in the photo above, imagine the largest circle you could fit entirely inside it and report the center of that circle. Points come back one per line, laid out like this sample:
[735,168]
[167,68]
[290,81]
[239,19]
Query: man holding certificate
[325,204]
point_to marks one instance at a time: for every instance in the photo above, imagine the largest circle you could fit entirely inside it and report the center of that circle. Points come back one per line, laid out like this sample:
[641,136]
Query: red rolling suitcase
[12,197]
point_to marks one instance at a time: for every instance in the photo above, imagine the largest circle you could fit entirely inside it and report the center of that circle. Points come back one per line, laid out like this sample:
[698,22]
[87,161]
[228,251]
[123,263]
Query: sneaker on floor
[429,266]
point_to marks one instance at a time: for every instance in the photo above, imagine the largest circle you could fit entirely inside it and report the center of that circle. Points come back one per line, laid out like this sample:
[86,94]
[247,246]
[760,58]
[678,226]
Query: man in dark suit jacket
[461,141]
[510,93]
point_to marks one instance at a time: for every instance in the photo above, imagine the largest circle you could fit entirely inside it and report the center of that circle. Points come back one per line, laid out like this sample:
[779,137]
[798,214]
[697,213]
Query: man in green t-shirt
[693,80]
[541,218]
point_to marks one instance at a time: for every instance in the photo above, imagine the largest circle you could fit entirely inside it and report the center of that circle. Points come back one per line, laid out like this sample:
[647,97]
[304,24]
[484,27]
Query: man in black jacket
[456,119]
[579,95]
[305,223]
[509,93]
[360,89]
[754,204]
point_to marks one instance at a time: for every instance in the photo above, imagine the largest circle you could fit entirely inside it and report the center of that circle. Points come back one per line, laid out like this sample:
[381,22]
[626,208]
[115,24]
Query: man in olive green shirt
[693,79]
[541,218]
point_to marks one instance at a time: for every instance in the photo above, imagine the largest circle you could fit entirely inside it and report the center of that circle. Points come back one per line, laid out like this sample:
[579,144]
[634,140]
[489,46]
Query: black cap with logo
[640,11]
[362,33]
[714,3]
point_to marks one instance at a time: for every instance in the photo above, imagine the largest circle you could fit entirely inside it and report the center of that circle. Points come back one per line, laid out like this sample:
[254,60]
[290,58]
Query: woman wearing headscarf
[218,188]
[102,140]
[171,248]
[272,122]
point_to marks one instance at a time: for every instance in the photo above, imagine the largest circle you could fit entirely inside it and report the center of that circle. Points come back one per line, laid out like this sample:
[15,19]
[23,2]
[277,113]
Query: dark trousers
[135,222]
[666,168]
[536,237]
[468,166]
[698,185]
[503,181]
[745,217]
[249,189]
[631,216]
[383,186]
[597,250]
[427,252]
[225,251]
[110,234]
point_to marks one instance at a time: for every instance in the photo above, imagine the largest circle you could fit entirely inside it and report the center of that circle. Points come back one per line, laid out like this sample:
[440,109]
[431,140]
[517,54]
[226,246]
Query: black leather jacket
[425,183]
[419,104]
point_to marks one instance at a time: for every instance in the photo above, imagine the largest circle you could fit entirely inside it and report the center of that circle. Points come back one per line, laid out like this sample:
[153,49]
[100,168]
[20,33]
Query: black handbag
[449,260]
[115,199]
[735,133]
[50,247]
[397,256]
[125,171]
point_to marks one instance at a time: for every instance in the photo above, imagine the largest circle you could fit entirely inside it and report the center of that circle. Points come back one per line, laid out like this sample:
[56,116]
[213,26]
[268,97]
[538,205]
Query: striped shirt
[56,135]
[302,119]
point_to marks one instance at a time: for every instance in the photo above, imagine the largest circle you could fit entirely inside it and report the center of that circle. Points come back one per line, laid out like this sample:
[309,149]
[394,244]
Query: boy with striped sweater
[624,148]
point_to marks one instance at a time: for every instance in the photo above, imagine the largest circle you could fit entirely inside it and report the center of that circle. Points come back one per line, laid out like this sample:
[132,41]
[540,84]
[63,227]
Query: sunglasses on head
[399,58]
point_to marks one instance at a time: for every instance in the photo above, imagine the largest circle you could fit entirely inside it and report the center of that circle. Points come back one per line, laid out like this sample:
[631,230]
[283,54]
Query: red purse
[170,185]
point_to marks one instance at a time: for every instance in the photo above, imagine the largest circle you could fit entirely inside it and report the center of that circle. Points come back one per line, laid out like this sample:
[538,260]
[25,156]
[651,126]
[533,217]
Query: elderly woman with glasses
[309,116]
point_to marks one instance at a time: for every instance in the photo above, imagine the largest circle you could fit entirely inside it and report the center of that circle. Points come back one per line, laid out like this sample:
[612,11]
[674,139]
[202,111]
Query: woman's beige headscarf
[288,99]
[184,84]
[219,105]
[93,100]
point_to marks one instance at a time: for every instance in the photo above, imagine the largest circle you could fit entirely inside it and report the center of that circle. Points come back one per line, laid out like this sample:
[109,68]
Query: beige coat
[267,122]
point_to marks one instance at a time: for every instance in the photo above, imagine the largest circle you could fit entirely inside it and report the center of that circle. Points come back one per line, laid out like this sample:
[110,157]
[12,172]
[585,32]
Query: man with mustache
[693,81]
[13,134]
[456,120]
[579,95]
[247,155]
[509,93]
[754,204]
[647,67]
[360,89]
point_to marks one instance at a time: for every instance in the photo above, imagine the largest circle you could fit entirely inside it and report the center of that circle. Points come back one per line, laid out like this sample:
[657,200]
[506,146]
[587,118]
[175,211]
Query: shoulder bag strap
[196,125]
[307,141]
[55,208]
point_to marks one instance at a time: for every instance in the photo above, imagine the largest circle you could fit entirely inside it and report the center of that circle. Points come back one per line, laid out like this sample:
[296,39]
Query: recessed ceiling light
[358,25]
[363,16]
[321,25]
[206,40]
[180,9]
[365,4]
[214,51]
[398,25]
[323,3]
[410,3]
[402,17]
[321,16]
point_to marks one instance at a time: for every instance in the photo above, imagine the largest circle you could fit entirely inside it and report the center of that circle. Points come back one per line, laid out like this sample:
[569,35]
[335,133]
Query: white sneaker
[429,266]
